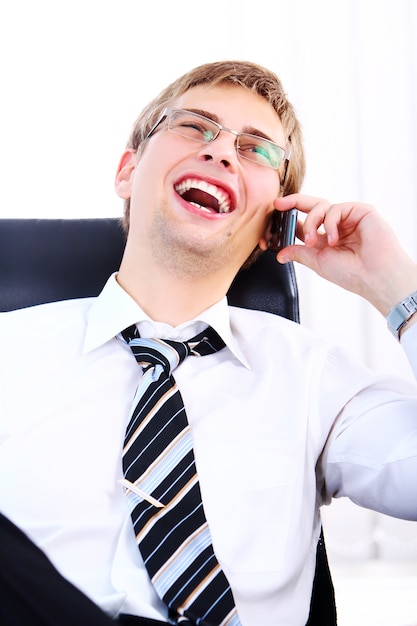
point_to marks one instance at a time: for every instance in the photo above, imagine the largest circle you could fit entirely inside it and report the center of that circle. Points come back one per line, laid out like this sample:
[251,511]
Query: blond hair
[243,74]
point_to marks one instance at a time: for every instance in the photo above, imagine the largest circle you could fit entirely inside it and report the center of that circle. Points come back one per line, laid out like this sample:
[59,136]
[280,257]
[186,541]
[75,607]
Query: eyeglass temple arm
[158,121]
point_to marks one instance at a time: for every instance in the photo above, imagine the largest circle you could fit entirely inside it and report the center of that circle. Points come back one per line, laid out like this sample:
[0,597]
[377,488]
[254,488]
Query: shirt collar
[114,310]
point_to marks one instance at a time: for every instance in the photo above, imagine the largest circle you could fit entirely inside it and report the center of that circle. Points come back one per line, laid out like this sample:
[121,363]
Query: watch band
[401,313]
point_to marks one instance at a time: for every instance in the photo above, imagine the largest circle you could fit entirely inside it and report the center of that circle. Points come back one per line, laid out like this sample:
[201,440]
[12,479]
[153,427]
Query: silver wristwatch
[401,313]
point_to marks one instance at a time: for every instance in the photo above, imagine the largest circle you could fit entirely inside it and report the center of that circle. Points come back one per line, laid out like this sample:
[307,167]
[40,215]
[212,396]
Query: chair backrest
[47,260]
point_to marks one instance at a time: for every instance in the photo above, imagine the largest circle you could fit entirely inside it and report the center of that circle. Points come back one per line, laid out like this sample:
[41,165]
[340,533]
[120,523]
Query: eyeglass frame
[165,114]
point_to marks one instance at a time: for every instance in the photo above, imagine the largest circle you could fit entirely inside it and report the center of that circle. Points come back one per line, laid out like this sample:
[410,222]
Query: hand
[351,245]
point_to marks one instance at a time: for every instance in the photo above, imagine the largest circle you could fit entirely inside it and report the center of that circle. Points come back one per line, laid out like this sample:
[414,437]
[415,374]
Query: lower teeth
[201,207]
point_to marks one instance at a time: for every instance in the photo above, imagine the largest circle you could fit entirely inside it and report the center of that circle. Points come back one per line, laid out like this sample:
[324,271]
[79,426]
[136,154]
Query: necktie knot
[168,353]
[151,352]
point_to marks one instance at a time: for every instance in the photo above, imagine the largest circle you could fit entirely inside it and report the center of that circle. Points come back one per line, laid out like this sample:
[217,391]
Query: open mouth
[205,196]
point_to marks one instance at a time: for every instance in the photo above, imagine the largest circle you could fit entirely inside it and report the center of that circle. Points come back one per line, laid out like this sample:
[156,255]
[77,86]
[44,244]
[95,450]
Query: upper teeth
[221,197]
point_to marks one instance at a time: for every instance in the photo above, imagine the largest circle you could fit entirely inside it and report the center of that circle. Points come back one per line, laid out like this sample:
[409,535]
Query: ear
[270,227]
[124,174]
[265,240]
[263,243]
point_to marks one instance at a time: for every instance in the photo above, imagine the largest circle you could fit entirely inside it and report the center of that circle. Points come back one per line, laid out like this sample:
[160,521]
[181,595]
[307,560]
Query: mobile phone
[283,228]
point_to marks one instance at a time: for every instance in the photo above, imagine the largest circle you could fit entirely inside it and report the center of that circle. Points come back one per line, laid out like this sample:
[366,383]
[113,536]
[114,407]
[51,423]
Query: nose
[221,150]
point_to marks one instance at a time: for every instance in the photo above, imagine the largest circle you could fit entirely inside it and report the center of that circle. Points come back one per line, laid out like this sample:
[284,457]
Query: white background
[74,76]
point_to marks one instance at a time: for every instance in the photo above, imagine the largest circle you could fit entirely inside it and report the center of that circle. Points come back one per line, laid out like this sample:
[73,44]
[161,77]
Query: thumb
[298,254]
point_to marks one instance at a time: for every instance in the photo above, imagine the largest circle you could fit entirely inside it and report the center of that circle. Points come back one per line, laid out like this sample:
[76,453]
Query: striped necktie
[162,486]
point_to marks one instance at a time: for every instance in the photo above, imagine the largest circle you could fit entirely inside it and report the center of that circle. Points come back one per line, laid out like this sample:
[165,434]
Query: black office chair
[48,260]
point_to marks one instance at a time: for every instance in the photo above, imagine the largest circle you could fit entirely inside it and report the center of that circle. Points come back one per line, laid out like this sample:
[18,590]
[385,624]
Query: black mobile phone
[283,228]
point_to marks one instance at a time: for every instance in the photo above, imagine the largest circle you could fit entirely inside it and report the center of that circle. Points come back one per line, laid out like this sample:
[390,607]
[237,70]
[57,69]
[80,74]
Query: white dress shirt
[281,423]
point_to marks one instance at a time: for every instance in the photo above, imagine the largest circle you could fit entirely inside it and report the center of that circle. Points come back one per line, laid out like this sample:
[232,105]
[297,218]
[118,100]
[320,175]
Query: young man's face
[168,181]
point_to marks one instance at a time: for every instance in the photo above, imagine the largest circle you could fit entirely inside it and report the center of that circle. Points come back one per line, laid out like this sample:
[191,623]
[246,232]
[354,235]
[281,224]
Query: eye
[258,150]
[261,152]
[191,124]
[193,127]
[197,128]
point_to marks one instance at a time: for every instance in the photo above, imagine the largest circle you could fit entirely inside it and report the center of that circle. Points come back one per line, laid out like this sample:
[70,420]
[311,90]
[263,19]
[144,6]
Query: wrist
[391,286]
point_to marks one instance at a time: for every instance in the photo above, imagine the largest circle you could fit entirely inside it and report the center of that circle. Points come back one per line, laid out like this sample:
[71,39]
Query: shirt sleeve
[409,343]
[371,451]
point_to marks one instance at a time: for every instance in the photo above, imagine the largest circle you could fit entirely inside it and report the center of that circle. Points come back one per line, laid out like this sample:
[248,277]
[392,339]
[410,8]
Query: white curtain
[75,74]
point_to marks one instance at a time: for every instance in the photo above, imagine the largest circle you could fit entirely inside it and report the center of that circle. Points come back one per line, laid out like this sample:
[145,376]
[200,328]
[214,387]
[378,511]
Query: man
[208,162]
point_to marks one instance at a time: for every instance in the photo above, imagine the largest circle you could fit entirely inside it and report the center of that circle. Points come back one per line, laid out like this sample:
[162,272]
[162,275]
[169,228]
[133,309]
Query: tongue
[202,198]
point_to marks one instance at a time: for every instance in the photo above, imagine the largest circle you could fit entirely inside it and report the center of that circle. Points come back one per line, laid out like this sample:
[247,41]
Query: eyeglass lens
[202,129]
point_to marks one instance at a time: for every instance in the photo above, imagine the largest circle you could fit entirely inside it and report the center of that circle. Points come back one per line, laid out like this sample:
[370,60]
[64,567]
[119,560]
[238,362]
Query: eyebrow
[251,130]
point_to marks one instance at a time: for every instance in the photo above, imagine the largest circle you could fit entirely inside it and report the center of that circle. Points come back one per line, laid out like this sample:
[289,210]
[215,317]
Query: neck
[168,295]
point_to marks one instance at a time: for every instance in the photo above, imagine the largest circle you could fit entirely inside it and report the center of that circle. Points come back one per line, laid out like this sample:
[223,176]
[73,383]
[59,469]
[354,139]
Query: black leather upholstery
[48,260]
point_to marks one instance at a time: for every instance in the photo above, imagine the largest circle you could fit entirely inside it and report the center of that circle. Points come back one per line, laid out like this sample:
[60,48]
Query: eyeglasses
[204,130]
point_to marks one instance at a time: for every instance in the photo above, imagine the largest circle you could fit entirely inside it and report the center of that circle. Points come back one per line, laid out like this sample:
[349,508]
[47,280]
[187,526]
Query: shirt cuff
[409,343]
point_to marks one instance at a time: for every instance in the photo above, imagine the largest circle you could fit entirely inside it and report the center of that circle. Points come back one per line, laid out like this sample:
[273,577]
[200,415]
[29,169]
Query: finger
[331,223]
[298,200]
[315,210]
[299,254]
[342,219]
